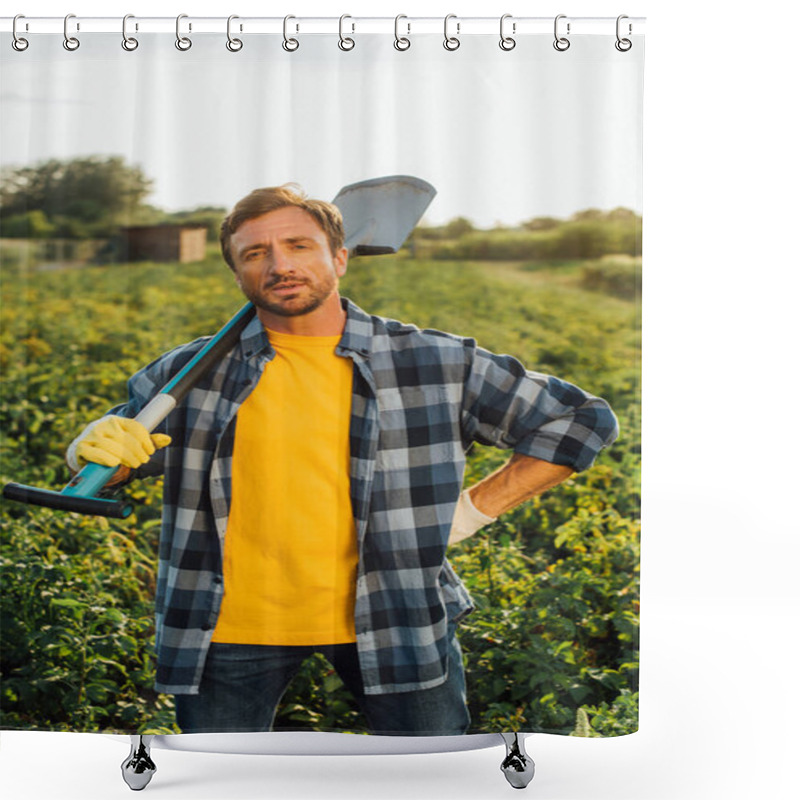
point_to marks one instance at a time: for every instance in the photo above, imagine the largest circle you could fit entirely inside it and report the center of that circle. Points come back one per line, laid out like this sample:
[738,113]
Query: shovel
[379,214]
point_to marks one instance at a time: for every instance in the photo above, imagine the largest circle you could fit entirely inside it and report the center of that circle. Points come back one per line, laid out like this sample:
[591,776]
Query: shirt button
[218,579]
[205,627]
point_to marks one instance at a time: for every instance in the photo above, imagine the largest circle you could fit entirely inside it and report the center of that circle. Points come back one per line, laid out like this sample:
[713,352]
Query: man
[313,484]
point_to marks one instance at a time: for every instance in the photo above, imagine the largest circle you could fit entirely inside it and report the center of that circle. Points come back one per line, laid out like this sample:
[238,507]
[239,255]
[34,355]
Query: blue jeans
[243,684]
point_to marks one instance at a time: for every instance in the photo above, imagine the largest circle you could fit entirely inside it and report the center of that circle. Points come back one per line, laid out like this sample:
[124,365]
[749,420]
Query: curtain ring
[128,42]
[182,42]
[290,45]
[623,45]
[451,42]
[506,42]
[18,43]
[234,45]
[561,43]
[345,42]
[70,42]
[401,42]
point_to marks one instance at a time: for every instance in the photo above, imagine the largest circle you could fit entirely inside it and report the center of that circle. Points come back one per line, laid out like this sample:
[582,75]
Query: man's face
[284,264]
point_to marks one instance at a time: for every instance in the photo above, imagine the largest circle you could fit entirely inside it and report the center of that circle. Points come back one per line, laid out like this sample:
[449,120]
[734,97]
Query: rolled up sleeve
[507,406]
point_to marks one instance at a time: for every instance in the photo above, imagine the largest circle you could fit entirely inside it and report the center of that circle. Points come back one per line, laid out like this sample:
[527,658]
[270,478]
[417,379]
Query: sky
[556,132]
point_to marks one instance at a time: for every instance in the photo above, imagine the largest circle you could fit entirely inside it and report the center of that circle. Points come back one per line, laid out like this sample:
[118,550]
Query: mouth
[286,288]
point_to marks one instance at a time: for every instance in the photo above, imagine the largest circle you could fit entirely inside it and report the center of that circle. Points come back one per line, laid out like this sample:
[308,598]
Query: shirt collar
[356,337]
[254,338]
[357,334]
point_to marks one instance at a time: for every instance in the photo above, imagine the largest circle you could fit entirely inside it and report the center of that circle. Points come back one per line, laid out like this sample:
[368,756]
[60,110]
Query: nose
[279,262]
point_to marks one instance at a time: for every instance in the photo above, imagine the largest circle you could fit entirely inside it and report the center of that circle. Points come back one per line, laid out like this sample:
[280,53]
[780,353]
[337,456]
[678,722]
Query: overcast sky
[555,133]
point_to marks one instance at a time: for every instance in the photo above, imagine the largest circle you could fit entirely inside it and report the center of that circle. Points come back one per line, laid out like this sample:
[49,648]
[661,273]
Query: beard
[308,298]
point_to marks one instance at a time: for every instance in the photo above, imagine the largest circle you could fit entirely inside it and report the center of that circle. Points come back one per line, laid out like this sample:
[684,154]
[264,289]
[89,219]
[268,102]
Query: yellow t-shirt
[290,556]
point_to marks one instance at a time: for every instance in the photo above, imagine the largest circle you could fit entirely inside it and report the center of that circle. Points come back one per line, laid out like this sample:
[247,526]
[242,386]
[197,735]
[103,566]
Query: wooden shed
[182,243]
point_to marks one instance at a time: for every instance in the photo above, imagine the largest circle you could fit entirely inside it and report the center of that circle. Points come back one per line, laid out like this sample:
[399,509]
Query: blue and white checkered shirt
[420,398]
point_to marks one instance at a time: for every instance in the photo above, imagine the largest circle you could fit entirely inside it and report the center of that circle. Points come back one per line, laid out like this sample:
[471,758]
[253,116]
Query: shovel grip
[89,481]
[119,509]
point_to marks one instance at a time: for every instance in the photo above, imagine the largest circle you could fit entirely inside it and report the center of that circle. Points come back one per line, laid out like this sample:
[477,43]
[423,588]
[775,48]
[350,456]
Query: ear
[340,262]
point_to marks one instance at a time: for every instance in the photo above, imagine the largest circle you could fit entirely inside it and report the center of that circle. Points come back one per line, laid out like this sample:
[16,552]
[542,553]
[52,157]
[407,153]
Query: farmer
[313,484]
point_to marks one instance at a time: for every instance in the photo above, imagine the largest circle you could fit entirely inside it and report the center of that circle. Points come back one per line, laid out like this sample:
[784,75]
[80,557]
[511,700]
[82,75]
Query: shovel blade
[379,214]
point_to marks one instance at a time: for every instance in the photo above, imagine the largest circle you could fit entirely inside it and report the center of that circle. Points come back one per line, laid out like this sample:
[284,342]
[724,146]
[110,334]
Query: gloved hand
[467,520]
[115,441]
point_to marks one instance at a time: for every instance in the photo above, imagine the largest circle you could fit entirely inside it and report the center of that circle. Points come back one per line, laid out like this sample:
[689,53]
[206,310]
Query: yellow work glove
[113,442]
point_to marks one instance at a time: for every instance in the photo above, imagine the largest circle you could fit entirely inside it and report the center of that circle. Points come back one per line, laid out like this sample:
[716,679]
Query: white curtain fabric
[504,136]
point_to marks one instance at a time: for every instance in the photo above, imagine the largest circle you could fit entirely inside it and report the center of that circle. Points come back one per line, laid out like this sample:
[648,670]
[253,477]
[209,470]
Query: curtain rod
[347,24]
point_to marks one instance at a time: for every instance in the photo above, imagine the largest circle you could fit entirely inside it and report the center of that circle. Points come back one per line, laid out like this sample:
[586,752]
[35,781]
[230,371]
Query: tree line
[85,198]
[92,197]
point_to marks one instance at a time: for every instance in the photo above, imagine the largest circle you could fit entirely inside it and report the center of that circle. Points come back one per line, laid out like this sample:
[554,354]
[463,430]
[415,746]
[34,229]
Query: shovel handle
[89,481]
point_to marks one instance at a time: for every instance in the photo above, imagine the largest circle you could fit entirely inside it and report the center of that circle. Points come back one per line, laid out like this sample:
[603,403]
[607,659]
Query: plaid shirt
[420,398]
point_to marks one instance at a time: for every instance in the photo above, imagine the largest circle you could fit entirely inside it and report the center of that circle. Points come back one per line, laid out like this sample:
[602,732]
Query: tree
[31,225]
[458,227]
[588,215]
[541,224]
[81,197]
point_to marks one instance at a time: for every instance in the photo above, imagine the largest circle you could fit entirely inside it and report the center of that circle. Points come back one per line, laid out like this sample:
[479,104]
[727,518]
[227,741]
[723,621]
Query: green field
[553,645]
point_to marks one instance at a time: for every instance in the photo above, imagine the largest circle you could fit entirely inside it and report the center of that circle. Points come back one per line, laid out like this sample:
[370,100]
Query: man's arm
[520,479]
[554,427]
[540,416]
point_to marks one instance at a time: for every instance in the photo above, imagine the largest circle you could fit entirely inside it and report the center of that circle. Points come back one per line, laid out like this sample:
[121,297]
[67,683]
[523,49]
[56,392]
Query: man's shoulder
[404,335]
[389,333]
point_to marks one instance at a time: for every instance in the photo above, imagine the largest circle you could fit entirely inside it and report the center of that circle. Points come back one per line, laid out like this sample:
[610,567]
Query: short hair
[272,198]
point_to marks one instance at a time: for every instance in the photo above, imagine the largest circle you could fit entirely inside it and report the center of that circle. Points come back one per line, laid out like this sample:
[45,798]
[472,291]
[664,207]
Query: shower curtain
[121,155]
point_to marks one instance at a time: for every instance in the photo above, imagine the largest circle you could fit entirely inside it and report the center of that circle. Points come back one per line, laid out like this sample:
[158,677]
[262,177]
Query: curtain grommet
[19,43]
[346,43]
[183,43]
[234,45]
[71,43]
[561,43]
[129,43]
[507,43]
[401,43]
[451,43]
